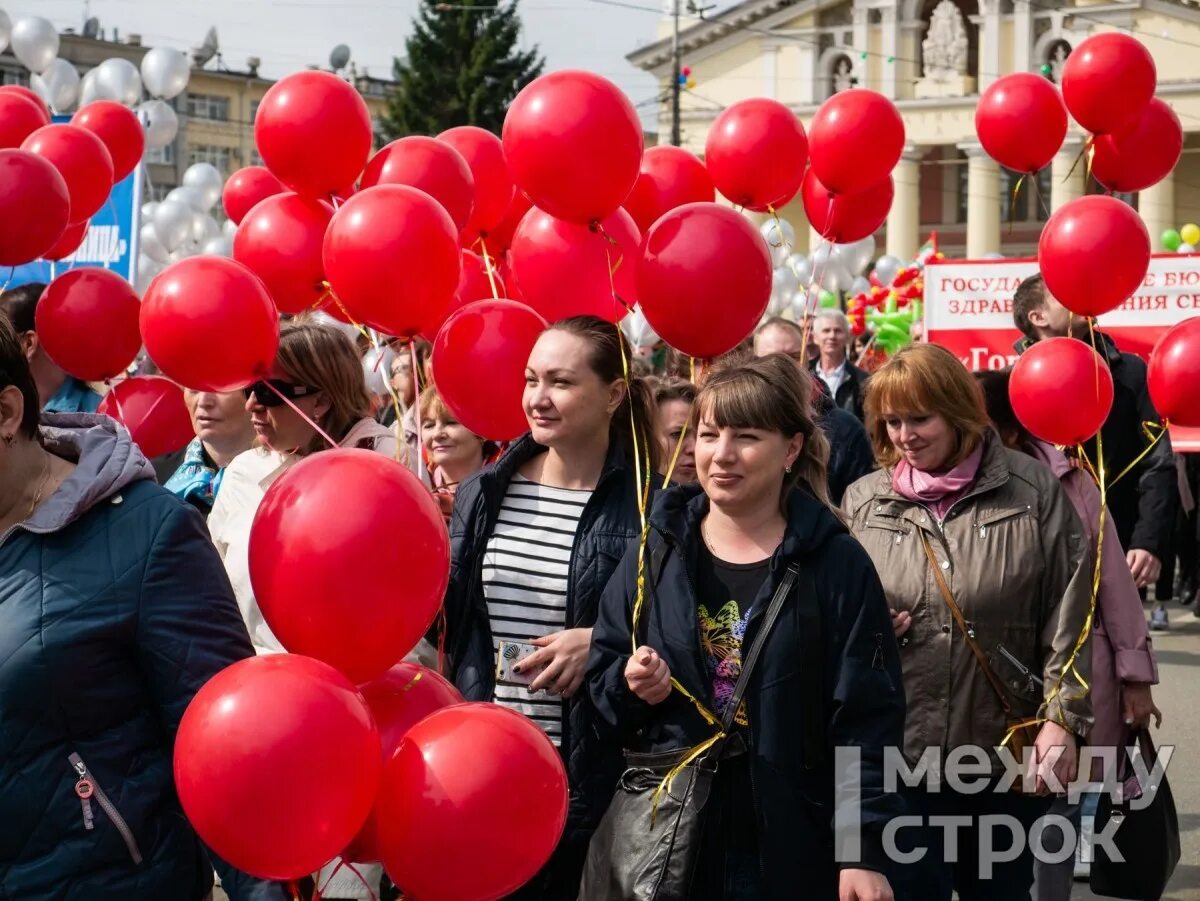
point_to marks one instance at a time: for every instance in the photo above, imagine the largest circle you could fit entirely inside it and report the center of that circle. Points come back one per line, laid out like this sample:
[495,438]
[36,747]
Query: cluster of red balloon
[56,176]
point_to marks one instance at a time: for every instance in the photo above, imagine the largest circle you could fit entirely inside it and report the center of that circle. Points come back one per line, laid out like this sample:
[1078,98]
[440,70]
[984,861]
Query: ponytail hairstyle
[636,412]
[771,393]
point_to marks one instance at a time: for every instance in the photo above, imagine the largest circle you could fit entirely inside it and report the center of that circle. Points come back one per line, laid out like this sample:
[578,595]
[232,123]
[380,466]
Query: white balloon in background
[159,122]
[146,270]
[860,285]
[858,254]
[777,305]
[320,317]
[229,227]
[58,85]
[1185,247]
[34,43]
[377,367]
[187,195]
[993,255]
[638,330]
[118,79]
[886,268]
[218,247]
[173,224]
[783,285]
[148,209]
[5,30]
[87,88]
[803,301]
[780,238]
[836,278]
[150,244]
[204,228]
[206,179]
[801,267]
[165,72]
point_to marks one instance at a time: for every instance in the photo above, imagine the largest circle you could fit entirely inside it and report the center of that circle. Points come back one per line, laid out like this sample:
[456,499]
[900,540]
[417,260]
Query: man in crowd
[850,456]
[57,391]
[832,365]
[1143,503]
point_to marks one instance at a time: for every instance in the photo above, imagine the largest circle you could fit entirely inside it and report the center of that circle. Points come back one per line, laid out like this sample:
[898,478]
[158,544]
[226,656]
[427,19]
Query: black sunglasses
[267,393]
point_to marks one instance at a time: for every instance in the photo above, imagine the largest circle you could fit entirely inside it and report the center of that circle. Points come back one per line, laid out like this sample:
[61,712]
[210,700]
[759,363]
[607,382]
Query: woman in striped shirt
[534,541]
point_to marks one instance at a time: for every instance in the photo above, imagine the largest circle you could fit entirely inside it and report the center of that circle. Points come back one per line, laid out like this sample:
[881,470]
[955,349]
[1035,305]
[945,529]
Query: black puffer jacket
[861,694]
[850,453]
[608,527]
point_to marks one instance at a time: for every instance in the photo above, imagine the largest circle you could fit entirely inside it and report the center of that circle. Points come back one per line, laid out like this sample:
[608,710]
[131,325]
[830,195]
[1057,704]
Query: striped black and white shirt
[525,569]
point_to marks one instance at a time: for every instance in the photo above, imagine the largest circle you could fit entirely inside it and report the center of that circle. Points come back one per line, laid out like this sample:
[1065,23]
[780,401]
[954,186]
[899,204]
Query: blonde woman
[828,674]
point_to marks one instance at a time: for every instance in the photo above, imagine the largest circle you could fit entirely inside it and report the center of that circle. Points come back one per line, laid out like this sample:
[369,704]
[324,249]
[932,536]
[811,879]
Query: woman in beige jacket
[952,508]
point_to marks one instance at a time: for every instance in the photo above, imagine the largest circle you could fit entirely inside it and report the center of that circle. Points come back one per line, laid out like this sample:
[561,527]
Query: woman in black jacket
[829,673]
[534,540]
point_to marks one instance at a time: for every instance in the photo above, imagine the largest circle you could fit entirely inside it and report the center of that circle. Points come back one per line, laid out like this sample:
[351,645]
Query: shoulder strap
[751,658]
[967,633]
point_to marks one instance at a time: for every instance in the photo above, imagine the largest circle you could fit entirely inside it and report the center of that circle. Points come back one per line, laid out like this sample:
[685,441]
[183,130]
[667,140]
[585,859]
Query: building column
[770,58]
[1063,187]
[989,42]
[1022,36]
[891,43]
[983,202]
[860,45]
[904,218]
[1156,206]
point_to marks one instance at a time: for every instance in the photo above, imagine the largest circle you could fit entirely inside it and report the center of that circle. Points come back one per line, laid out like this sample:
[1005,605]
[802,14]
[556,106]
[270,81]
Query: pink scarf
[937,490]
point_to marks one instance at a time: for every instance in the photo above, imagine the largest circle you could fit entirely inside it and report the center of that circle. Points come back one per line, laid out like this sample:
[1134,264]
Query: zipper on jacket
[877,660]
[86,789]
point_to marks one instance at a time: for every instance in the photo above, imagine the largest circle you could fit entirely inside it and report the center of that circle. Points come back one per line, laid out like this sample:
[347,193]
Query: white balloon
[146,270]
[159,122]
[165,72]
[118,79]
[1185,247]
[5,30]
[148,209]
[58,85]
[802,268]
[189,195]
[218,247]
[638,330]
[87,88]
[804,300]
[173,224]
[780,238]
[993,255]
[150,244]
[836,278]
[377,367]
[886,268]
[860,285]
[204,228]
[777,305]
[322,318]
[783,285]
[34,43]
[229,227]
[207,180]
[858,254]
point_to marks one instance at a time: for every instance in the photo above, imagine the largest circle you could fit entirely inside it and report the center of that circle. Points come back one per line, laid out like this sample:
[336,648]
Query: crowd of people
[936,562]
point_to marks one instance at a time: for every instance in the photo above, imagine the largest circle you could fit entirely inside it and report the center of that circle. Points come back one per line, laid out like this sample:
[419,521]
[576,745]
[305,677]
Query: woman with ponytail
[534,540]
[757,534]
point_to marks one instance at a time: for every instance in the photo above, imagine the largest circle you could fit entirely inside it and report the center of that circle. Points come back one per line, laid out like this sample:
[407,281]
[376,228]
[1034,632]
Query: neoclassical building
[933,58]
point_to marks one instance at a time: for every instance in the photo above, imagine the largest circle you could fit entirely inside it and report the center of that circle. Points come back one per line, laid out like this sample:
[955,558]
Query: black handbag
[1147,840]
[646,846]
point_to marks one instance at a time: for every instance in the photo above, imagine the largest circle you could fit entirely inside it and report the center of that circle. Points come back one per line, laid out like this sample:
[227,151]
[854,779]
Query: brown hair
[317,356]
[14,372]
[925,378]
[994,385]
[1030,296]
[771,393]
[670,390]
[635,415]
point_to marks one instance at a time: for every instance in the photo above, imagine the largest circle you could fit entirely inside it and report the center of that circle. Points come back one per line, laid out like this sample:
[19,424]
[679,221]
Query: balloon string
[412,355]
[320,431]
[1087,150]
[487,263]
[1152,430]
[611,242]
[1012,201]
[12,270]
[1041,197]
[294,890]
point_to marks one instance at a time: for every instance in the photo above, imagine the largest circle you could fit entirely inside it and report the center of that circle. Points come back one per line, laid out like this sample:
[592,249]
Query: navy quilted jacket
[114,610]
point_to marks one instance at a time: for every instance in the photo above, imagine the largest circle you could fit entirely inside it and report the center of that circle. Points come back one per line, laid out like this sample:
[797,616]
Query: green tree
[464,66]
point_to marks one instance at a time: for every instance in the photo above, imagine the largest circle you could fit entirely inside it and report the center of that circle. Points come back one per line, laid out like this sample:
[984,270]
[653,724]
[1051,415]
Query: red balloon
[492,336]
[756,153]
[83,161]
[277,764]
[247,187]
[280,242]
[567,270]
[843,218]
[1174,373]
[501,236]
[19,90]
[855,140]
[120,131]
[70,241]
[430,165]
[484,154]
[1093,254]
[669,178]
[1021,121]
[152,408]
[34,207]
[317,538]
[1142,156]
[1107,82]
[313,131]
[399,699]
[573,143]
[391,255]
[81,304]
[19,117]
[451,791]
[1061,391]
[209,324]
[704,278]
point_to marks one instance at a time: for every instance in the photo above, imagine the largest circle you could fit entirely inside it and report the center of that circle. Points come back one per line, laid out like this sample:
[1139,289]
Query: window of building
[163,155]
[208,106]
[14,76]
[254,109]
[207,153]
[255,157]
[1031,202]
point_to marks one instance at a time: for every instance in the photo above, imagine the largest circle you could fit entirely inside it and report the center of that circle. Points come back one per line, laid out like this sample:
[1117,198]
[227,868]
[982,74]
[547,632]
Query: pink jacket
[1121,648]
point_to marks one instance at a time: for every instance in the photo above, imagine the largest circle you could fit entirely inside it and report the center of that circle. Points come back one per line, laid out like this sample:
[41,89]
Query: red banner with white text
[968,310]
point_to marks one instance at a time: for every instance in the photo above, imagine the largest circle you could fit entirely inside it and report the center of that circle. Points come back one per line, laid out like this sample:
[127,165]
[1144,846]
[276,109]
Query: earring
[788,468]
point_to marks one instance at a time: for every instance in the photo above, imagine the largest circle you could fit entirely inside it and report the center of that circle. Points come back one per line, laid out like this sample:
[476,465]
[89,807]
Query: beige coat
[1013,553]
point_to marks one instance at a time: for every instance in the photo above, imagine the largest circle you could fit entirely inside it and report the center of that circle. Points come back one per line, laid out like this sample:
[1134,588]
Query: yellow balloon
[1190,233]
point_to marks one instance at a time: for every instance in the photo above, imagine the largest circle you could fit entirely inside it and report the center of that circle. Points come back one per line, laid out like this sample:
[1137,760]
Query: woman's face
[742,470]
[283,429]
[926,441]
[451,445]
[220,420]
[673,422]
[403,382]
[565,401]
